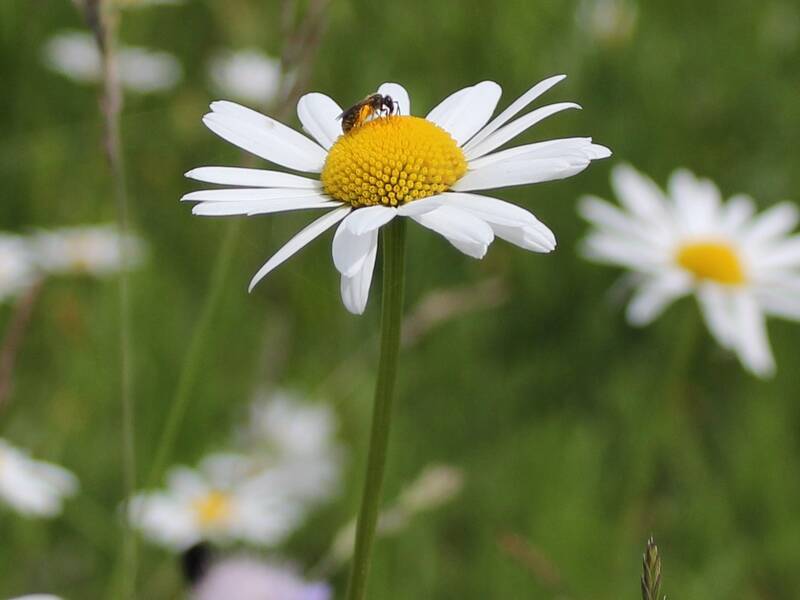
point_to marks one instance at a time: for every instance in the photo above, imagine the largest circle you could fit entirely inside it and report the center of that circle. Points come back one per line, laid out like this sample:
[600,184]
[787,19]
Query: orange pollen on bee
[714,261]
[392,160]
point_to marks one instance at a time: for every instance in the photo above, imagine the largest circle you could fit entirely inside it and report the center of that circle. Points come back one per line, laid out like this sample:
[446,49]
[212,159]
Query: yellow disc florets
[392,160]
[714,261]
[213,508]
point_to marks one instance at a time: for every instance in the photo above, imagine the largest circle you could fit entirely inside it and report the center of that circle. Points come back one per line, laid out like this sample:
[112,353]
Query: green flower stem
[191,364]
[393,238]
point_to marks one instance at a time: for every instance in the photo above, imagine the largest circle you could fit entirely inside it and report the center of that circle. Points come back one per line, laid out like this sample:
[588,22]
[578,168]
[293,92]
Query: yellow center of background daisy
[213,508]
[392,160]
[715,261]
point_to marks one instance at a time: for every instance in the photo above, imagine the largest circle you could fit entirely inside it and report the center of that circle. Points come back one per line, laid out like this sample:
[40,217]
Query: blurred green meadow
[579,436]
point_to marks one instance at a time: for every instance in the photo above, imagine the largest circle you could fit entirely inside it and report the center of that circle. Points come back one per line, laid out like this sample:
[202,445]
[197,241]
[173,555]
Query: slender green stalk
[191,364]
[393,240]
[103,19]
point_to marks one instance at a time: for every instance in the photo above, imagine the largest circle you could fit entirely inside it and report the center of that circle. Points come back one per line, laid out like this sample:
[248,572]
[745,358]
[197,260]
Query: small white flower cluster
[95,250]
[74,54]
[259,496]
[31,487]
[247,74]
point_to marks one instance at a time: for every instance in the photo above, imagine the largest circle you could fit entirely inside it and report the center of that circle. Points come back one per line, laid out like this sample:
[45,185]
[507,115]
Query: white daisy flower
[17,268]
[245,578]
[91,249]
[33,487]
[248,75]
[740,267]
[295,445]
[393,166]
[218,502]
[74,54]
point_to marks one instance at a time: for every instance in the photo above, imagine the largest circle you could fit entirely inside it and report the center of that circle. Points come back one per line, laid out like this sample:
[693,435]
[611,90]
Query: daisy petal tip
[599,152]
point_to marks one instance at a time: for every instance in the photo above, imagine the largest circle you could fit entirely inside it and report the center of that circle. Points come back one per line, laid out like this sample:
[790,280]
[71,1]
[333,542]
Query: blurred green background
[578,434]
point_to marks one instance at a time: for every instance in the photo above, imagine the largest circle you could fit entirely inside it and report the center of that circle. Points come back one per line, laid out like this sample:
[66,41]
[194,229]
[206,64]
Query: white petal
[736,213]
[399,94]
[639,194]
[419,207]
[239,194]
[264,137]
[608,218]
[696,200]
[369,218]
[319,115]
[261,207]
[355,289]
[772,223]
[350,248]
[566,147]
[516,106]
[252,178]
[782,255]
[469,234]
[627,252]
[780,303]
[305,236]
[655,295]
[464,113]
[520,171]
[753,347]
[508,221]
[513,129]
[717,307]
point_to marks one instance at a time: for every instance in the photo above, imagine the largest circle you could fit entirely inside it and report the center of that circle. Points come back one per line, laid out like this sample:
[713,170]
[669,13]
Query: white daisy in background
[741,267]
[74,54]
[393,166]
[95,250]
[31,487]
[608,22]
[245,578]
[18,270]
[294,444]
[248,75]
[219,502]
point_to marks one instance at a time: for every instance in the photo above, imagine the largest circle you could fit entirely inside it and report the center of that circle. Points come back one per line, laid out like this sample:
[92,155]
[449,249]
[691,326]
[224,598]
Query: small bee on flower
[359,113]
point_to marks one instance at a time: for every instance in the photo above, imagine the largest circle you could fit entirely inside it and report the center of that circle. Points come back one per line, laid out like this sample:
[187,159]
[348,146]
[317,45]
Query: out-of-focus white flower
[608,22]
[17,267]
[248,75]
[741,267]
[294,442]
[146,3]
[244,578]
[220,502]
[435,486]
[75,55]
[93,250]
[33,487]
[37,597]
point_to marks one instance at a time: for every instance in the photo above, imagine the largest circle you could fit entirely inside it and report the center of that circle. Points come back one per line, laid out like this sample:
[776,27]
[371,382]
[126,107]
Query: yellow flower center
[213,508]
[392,160]
[716,261]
